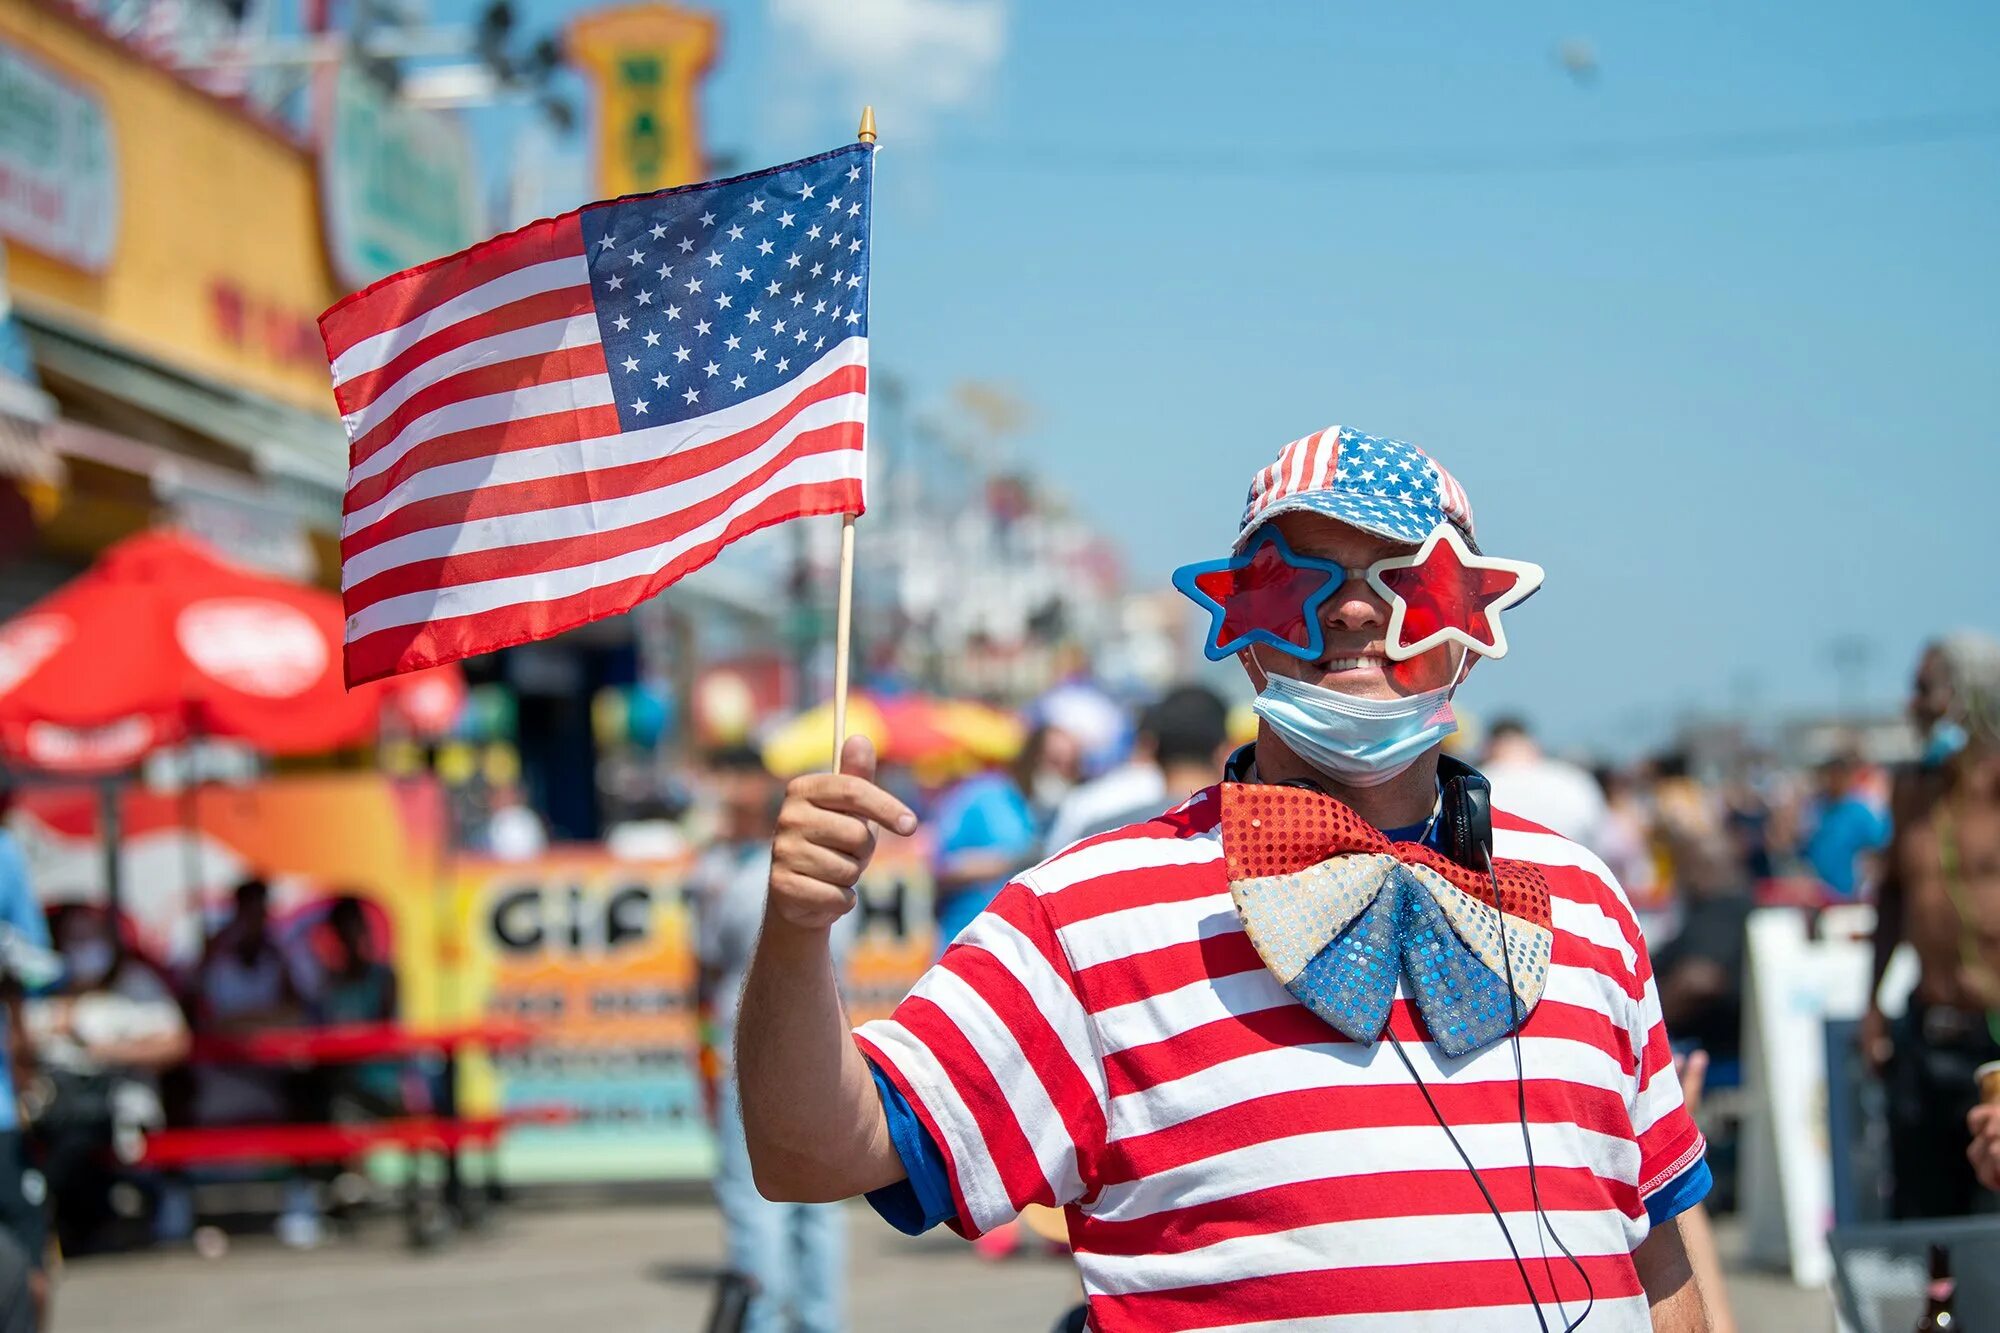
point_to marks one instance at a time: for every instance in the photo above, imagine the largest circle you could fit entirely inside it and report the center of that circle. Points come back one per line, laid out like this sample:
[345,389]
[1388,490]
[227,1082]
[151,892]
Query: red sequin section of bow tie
[1269,830]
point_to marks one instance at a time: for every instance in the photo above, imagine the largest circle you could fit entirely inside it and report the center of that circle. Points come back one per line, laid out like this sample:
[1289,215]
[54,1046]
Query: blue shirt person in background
[23,1211]
[1848,827]
[985,833]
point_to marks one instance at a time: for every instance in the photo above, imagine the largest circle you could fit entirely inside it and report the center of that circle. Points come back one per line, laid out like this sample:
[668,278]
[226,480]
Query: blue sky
[1738,407]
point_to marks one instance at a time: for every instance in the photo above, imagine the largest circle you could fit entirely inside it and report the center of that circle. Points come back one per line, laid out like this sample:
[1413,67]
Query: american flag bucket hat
[1386,487]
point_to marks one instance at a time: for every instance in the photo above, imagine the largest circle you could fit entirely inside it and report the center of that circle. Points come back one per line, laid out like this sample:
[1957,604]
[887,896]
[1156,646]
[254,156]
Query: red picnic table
[355,1043]
[444,1132]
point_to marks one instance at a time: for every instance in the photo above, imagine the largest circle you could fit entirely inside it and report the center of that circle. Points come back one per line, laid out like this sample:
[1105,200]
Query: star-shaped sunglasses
[1444,593]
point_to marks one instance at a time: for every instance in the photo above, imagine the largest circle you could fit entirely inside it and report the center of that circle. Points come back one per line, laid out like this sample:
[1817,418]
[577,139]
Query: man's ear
[1258,679]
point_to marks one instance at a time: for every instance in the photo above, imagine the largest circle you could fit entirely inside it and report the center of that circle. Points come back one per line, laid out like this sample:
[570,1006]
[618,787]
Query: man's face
[1930,692]
[745,797]
[1355,620]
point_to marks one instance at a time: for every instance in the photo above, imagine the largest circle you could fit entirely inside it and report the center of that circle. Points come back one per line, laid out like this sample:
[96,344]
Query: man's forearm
[1667,1273]
[815,1125]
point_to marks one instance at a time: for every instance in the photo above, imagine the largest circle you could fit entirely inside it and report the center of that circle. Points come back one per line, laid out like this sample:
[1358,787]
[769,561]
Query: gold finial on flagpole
[867,131]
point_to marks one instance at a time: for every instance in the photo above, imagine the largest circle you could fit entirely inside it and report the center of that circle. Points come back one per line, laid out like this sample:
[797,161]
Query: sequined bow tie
[1340,914]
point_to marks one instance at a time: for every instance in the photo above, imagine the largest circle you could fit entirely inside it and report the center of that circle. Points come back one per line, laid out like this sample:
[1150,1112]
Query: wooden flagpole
[844,616]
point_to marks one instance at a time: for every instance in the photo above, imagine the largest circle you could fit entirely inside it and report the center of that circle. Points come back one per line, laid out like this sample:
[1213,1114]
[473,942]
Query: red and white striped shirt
[1105,1038]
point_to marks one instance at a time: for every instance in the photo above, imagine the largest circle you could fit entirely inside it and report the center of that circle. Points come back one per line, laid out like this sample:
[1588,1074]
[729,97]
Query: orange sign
[645,65]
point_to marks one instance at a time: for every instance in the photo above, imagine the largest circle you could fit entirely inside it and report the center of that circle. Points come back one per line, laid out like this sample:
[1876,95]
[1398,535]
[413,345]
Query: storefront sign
[645,65]
[208,249]
[58,179]
[397,185]
[597,954]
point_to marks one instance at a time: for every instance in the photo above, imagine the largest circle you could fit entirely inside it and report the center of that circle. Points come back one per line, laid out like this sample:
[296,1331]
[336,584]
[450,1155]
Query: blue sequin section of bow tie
[1453,974]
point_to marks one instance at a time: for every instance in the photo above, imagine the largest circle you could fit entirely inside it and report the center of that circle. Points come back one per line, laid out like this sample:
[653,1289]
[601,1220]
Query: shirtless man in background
[1941,892]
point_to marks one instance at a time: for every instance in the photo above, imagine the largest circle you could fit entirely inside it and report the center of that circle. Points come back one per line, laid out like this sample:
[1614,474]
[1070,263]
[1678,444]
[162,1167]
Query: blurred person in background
[985,831]
[514,832]
[359,987]
[1983,1125]
[1625,844]
[1182,741]
[1845,827]
[1700,970]
[1940,891]
[1551,792]
[1047,771]
[23,1191]
[793,1255]
[101,1044]
[243,984]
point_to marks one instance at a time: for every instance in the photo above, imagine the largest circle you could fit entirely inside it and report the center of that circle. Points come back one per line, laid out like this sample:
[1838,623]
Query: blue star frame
[1267,584]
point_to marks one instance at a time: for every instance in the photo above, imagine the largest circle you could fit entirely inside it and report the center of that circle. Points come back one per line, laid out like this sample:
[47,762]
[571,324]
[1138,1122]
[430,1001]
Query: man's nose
[1355,606]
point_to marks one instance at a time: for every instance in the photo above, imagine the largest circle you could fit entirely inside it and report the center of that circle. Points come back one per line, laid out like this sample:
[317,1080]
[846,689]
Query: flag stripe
[574,504]
[482,447]
[597,525]
[574,580]
[532,400]
[418,417]
[365,331]
[419,641]
[740,426]
[548,322]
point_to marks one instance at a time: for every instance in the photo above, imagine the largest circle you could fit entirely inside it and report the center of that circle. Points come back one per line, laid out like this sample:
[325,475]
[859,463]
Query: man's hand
[1692,1070]
[826,836]
[1985,1150]
[1874,1040]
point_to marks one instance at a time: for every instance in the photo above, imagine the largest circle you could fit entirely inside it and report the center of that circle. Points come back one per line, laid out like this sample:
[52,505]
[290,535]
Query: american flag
[552,426]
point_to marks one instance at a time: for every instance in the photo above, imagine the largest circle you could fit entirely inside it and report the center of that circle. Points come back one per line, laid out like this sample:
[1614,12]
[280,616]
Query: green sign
[58,183]
[397,185]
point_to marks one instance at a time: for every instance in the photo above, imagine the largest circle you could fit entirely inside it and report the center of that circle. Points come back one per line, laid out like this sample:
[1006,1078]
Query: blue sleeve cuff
[1681,1193]
[916,1204]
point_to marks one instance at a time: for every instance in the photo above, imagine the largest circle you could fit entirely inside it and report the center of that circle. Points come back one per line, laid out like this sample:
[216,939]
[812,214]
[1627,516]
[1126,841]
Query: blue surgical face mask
[1360,742]
[1946,739]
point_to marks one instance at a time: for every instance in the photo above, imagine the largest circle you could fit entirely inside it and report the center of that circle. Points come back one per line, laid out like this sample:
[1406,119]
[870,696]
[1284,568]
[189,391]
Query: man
[1557,795]
[1940,891]
[983,830]
[793,1254]
[1281,1053]
[1847,826]
[1179,750]
[23,1192]
[103,1042]
[359,987]
[246,983]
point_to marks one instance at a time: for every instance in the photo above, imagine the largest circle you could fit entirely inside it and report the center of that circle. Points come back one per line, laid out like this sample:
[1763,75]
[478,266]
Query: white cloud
[911,58]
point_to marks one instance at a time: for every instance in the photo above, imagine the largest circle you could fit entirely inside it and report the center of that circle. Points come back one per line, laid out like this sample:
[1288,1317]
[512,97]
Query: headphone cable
[1527,1143]
[1477,1179]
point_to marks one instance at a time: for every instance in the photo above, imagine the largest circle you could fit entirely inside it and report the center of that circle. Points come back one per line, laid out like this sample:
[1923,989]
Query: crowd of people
[102,1042]
[1694,852]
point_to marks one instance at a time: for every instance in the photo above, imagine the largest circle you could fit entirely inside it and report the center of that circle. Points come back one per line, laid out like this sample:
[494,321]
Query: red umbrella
[162,640]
